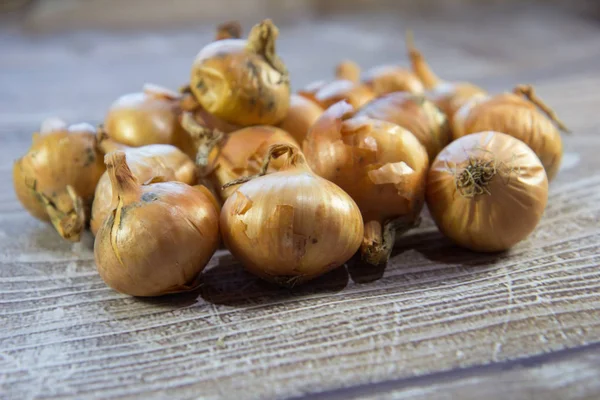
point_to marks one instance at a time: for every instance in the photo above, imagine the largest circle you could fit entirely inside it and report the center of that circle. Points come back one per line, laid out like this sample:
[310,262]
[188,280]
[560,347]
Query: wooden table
[438,323]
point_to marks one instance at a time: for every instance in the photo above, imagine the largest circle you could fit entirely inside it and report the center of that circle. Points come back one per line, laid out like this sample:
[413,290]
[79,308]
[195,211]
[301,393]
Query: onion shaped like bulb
[379,164]
[158,237]
[224,158]
[145,163]
[55,180]
[290,226]
[346,86]
[487,191]
[386,79]
[448,96]
[415,113]
[243,82]
[301,115]
[520,114]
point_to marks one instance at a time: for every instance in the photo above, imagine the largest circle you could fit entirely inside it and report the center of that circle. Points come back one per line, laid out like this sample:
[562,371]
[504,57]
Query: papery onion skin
[243,81]
[506,211]
[415,113]
[55,180]
[379,164]
[301,115]
[518,117]
[158,237]
[291,226]
[146,162]
[327,94]
[386,79]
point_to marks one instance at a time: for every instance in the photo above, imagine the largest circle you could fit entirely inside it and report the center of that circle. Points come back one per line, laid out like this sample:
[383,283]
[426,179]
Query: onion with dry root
[55,180]
[158,237]
[448,96]
[243,82]
[487,191]
[415,113]
[346,86]
[386,79]
[145,163]
[520,114]
[301,115]
[379,164]
[290,226]
[224,158]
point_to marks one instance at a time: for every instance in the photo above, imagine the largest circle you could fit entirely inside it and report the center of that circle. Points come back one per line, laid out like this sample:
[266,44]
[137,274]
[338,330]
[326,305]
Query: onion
[386,79]
[301,115]
[487,191]
[379,164]
[290,226]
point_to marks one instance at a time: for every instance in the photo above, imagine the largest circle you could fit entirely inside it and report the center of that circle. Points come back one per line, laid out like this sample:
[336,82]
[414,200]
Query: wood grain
[438,322]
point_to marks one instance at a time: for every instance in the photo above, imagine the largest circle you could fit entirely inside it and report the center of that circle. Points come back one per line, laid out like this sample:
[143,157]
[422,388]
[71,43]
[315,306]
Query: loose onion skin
[55,180]
[379,164]
[448,96]
[291,226]
[145,163]
[391,78]
[243,82]
[415,113]
[520,114]
[487,191]
[224,158]
[346,87]
[157,238]
[301,115]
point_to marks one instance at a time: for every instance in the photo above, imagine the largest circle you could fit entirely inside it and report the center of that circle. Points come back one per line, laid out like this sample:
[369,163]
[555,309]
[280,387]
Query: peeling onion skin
[158,237]
[414,113]
[146,162]
[301,115]
[387,79]
[511,205]
[448,96]
[291,226]
[379,164]
[516,116]
[56,179]
[243,82]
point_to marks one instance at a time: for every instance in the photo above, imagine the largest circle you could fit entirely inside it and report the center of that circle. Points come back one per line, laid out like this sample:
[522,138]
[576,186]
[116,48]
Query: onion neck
[125,186]
[261,40]
[66,212]
[348,70]
[529,93]
[105,144]
[379,239]
[205,139]
[419,66]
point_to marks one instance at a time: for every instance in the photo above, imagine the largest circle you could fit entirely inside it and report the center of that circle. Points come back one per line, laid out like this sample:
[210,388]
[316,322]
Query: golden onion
[301,115]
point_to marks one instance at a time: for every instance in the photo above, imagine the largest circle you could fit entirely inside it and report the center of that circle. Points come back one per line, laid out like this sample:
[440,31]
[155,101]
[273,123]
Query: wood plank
[434,309]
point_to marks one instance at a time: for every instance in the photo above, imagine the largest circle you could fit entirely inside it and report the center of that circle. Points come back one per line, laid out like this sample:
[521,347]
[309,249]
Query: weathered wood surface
[438,322]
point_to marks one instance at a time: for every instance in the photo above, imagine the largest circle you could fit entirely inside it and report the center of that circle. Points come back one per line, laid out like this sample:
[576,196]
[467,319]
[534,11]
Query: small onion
[448,96]
[224,158]
[158,237]
[386,79]
[290,226]
[243,82]
[415,113]
[487,191]
[301,115]
[520,114]
[55,180]
[346,87]
[379,164]
[145,163]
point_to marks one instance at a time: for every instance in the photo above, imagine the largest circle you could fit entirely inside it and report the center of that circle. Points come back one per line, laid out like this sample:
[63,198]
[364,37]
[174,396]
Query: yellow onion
[55,180]
[346,87]
[386,79]
[301,115]
[145,163]
[381,165]
[158,237]
[290,226]
[520,114]
[448,96]
[224,158]
[243,82]
[415,113]
[487,191]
